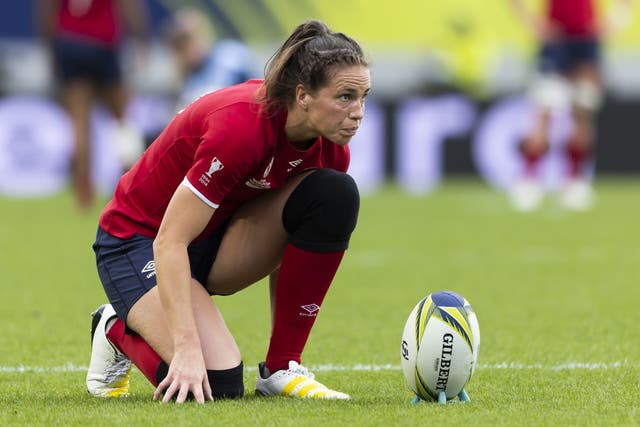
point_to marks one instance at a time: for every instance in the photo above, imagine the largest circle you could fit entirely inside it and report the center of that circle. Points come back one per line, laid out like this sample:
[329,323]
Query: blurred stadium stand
[421,51]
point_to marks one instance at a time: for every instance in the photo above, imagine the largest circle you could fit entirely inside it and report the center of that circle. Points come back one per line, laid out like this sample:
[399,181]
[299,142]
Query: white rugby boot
[296,381]
[109,369]
[526,195]
[577,195]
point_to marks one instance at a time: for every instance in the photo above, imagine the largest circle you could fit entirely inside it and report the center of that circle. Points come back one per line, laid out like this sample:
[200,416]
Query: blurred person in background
[205,63]
[85,38]
[569,77]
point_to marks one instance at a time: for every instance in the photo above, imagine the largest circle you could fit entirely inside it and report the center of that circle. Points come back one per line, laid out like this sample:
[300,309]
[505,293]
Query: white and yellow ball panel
[441,322]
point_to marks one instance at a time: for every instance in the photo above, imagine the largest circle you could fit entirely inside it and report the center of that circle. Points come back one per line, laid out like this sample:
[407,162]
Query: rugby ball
[439,349]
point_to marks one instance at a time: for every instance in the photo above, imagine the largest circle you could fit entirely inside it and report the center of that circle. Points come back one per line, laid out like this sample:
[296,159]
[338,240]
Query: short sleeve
[228,152]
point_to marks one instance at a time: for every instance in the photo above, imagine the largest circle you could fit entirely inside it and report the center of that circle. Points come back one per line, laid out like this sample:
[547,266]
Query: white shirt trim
[201,196]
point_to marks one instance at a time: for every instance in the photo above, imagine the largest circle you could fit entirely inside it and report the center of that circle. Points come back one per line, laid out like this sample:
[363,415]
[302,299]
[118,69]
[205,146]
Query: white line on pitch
[568,366]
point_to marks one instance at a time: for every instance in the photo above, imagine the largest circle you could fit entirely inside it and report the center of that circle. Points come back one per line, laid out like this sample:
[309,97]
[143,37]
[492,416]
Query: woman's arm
[184,220]
[536,23]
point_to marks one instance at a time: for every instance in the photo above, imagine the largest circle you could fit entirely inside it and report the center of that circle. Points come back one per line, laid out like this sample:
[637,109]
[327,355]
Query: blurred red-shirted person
[85,37]
[570,34]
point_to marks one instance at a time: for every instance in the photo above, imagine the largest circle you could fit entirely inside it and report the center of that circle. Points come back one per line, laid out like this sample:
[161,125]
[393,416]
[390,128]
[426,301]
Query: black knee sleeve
[227,383]
[322,211]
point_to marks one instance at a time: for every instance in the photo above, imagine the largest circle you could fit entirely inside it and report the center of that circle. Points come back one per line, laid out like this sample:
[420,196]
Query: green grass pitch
[556,294]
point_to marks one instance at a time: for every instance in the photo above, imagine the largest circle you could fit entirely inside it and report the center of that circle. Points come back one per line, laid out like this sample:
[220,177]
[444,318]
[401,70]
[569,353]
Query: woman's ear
[302,97]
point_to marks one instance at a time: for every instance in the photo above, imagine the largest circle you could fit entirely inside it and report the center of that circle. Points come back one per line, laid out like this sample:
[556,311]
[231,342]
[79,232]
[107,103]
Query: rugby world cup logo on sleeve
[215,166]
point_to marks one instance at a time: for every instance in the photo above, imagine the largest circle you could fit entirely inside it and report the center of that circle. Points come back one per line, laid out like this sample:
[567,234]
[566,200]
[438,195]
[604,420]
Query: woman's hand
[184,220]
[187,374]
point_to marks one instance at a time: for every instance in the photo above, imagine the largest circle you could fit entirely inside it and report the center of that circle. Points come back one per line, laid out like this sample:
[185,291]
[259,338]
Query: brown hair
[309,57]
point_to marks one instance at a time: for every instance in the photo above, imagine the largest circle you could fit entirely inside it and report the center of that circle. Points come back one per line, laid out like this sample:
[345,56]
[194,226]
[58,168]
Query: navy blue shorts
[563,56]
[127,269]
[75,59]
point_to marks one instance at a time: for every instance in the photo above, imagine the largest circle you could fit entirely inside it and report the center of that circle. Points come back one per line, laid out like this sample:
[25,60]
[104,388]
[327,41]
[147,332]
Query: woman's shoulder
[238,96]
[237,107]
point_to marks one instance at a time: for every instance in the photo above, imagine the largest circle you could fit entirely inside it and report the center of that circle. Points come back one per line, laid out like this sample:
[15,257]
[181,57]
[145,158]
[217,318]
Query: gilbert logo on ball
[439,349]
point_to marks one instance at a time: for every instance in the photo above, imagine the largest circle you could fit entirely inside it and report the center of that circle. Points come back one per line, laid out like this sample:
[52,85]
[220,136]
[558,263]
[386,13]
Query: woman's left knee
[322,211]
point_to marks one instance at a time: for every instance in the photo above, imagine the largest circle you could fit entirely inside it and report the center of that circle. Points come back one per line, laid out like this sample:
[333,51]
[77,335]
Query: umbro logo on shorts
[149,268]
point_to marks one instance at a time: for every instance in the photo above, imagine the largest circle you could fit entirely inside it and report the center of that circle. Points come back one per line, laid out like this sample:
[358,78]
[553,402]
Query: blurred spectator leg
[577,193]
[77,96]
[128,138]
[527,193]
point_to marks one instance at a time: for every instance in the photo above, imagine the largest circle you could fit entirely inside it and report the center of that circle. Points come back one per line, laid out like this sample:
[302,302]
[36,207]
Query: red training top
[91,20]
[576,18]
[225,150]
